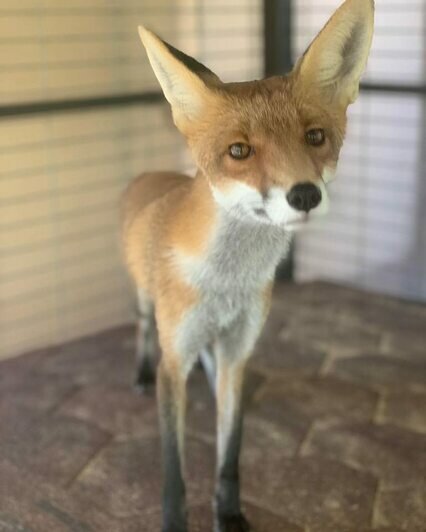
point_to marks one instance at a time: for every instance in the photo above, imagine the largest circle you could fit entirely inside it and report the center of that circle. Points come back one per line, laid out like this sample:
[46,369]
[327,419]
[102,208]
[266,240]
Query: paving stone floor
[335,433]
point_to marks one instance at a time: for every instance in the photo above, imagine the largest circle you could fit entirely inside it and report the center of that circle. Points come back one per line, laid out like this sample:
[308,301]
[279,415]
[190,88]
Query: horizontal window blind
[398,36]
[61,174]
[60,180]
[374,235]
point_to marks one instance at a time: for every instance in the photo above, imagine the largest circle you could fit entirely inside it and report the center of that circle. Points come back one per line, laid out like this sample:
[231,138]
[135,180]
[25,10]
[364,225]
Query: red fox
[203,251]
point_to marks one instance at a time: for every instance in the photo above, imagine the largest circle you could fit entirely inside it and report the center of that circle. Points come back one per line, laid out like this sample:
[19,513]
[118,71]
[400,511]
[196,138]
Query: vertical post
[278,59]
[421,220]
[277,35]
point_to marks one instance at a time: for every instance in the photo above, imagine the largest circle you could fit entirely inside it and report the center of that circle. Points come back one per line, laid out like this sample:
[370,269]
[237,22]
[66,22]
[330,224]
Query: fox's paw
[145,380]
[233,523]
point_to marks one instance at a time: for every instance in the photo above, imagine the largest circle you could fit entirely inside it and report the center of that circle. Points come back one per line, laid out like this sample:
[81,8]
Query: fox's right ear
[186,83]
[337,57]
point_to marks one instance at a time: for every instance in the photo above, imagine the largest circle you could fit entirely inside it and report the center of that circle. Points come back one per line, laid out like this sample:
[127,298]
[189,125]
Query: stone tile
[308,294]
[406,344]
[322,292]
[125,476]
[384,311]
[370,529]
[76,514]
[68,417]
[405,409]
[29,504]
[89,360]
[396,456]
[390,315]
[261,520]
[383,529]
[200,519]
[274,356]
[265,436]
[337,333]
[375,529]
[252,385]
[271,410]
[382,372]
[54,447]
[331,302]
[271,428]
[117,339]
[405,508]
[13,416]
[201,411]
[260,431]
[283,413]
[35,391]
[312,398]
[18,514]
[115,409]
[25,363]
[321,494]
[401,323]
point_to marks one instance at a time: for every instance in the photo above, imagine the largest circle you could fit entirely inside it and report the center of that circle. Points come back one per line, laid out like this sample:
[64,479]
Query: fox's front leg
[171,390]
[232,350]
[229,392]
[146,343]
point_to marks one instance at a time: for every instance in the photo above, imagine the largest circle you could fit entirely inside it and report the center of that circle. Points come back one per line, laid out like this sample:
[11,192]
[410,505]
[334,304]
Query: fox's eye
[240,151]
[315,137]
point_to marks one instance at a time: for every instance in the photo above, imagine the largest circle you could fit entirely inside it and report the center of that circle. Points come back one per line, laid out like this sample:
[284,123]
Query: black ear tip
[191,63]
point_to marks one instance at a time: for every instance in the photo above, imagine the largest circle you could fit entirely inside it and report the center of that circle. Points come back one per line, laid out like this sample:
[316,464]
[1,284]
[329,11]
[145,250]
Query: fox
[203,250]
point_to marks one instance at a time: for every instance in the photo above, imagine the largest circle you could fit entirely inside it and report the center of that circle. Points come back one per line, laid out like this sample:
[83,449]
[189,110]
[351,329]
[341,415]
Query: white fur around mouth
[246,203]
[298,222]
[303,219]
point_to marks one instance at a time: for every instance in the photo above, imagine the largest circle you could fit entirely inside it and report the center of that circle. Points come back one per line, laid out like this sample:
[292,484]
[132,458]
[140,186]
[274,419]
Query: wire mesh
[374,236]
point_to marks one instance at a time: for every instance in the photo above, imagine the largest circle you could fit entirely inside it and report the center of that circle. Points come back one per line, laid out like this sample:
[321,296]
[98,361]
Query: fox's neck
[239,253]
[246,250]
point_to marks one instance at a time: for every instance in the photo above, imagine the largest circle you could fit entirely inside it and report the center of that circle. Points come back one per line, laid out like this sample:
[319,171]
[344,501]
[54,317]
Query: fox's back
[144,204]
[146,190]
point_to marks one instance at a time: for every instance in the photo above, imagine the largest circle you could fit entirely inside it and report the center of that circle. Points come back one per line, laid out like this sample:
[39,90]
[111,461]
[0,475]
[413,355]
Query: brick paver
[335,432]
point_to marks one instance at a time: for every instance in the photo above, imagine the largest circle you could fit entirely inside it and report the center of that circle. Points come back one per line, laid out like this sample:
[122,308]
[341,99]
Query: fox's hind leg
[146,343]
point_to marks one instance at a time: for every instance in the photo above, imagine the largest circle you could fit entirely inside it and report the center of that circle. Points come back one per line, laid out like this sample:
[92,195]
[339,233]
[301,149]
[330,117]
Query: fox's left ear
[337,57]
[188,85]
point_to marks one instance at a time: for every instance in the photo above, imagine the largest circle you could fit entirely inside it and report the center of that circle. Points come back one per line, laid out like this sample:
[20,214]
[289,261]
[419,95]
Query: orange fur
[169,211]
[183,236]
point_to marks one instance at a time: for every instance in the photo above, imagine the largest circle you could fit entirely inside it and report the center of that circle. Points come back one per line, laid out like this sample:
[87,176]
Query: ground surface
[335,435]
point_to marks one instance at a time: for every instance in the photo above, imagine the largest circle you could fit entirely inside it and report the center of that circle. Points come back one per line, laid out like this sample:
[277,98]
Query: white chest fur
[241,260]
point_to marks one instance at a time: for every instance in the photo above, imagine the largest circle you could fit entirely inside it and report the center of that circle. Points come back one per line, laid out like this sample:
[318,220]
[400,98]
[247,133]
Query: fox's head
[268,147]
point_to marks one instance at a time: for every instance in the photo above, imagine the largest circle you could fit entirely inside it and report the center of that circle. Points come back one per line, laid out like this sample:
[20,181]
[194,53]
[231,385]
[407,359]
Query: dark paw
[233,523]
[145,380]
[174,527]
[144,387]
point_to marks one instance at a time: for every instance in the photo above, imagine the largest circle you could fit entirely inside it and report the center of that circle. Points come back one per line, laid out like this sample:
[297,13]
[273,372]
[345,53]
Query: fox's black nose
[304,197]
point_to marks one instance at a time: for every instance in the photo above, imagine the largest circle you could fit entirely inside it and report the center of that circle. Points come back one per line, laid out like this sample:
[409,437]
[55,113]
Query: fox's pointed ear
[186,83]
[337,57]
